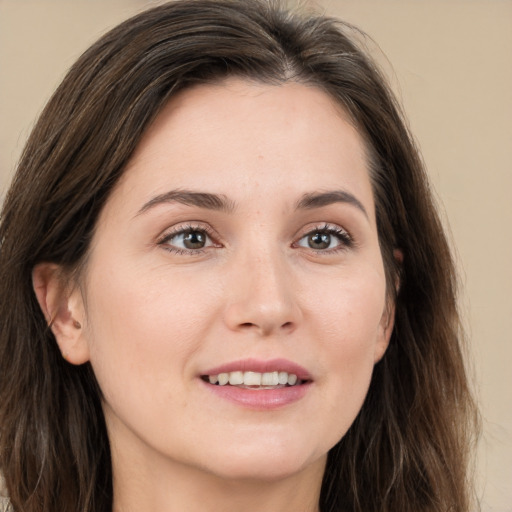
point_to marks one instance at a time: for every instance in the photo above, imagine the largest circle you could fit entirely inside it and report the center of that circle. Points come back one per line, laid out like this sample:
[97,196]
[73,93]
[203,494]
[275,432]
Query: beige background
[452,67]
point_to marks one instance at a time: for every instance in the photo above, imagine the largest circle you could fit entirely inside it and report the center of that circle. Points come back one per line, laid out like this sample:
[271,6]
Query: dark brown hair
[408,448]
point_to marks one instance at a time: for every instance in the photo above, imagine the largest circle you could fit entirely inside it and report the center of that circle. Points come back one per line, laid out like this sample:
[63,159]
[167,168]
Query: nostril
[252,325]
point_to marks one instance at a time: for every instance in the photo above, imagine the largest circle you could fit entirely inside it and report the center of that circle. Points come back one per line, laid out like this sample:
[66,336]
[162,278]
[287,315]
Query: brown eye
[319,240]
[188,240]
[194,240]
[329,238]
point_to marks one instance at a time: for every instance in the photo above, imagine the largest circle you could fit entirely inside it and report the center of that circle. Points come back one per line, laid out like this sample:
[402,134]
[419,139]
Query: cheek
[349,309]
[349,318]
[144,329]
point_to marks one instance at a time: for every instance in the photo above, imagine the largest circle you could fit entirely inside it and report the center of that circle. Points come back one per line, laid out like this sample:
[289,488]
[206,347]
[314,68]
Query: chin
[267,465]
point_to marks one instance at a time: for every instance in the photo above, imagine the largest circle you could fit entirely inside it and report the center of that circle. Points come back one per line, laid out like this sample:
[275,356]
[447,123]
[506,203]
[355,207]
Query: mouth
[255,380]
[259,385]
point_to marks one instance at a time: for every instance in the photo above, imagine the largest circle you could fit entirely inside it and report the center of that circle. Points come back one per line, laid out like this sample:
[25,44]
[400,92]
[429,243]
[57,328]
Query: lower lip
[260,399]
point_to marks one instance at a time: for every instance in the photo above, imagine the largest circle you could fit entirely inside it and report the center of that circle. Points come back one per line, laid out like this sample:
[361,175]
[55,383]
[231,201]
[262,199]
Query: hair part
[408,447]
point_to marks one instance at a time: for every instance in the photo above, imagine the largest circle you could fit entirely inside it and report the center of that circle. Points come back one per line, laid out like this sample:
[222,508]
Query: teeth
[252,379]
[270,379]
[267,379]
[236,378]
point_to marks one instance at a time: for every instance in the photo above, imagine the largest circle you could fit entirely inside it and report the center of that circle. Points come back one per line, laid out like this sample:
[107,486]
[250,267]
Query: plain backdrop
[450,62]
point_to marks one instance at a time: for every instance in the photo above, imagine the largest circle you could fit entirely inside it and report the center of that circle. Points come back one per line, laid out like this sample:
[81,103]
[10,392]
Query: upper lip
[261,366]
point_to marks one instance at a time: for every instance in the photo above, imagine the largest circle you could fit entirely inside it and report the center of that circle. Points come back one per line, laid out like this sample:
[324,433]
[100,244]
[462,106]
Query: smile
[259,385]
[254,380]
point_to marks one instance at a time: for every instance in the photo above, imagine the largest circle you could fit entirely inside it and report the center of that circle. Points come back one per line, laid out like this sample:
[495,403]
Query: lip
[260,399]
[261,366]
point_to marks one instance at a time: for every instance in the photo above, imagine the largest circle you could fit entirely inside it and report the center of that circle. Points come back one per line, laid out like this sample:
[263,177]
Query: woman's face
[240,245]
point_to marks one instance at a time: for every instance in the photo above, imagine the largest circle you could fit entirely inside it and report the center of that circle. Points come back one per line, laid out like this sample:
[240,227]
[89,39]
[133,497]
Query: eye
[327,238]
[186,240]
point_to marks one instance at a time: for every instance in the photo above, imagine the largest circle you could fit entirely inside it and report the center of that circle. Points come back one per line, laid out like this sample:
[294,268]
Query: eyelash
[344,238]
[181,230]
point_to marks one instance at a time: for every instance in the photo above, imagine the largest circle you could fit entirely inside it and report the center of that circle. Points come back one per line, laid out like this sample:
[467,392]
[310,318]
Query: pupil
[194,240]
[319,240]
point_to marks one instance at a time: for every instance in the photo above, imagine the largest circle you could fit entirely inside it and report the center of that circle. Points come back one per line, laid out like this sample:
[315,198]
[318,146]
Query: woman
[225,283]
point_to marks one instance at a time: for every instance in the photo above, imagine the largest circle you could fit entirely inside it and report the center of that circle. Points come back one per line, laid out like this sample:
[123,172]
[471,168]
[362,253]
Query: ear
[387,322]
[64,311]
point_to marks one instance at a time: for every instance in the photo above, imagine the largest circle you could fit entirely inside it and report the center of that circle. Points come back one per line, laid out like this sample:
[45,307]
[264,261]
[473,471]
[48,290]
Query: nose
[262,296]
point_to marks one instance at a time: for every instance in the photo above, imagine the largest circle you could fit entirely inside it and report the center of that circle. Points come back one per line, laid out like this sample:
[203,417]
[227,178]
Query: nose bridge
[263,295]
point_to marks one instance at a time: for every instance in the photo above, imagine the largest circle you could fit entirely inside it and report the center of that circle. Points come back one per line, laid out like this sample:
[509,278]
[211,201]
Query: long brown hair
[408,448]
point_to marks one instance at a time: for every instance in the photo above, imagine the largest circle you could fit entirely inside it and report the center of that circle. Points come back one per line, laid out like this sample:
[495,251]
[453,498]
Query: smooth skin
[282,262]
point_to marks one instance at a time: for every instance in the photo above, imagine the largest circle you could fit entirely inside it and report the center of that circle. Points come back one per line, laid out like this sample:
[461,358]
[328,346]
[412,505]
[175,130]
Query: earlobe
[63,309]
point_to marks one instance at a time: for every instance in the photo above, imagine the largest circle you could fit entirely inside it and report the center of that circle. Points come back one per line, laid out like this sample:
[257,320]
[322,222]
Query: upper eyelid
[187,226]
[323,226]
[346,240]
[164,240]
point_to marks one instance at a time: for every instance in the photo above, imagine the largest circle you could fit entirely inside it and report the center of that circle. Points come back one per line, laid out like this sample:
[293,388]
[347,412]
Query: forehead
[233,102]
[238,135]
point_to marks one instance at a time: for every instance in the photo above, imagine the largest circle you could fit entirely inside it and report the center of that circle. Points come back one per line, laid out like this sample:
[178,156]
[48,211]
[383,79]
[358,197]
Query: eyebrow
[220,202]
[189,198]
[319,199]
